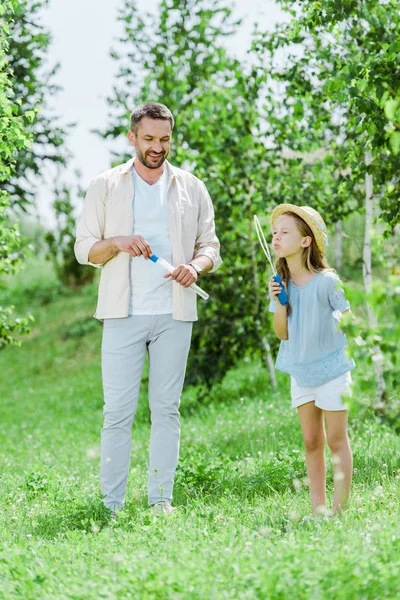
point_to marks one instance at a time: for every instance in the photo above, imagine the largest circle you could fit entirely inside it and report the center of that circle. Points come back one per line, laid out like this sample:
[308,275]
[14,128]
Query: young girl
[312,349]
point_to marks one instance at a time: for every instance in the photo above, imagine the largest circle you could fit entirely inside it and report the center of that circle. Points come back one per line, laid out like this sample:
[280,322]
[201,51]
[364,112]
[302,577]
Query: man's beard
[147,162]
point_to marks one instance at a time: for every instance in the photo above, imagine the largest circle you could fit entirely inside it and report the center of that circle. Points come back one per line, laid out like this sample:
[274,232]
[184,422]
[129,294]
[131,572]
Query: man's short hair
[154,110]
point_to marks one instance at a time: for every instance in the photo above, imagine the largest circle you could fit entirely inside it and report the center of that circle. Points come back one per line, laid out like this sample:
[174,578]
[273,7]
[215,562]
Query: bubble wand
[168,267]
[282,297]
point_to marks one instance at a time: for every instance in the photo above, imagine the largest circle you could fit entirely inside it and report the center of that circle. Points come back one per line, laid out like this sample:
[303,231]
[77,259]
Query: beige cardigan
[107,212]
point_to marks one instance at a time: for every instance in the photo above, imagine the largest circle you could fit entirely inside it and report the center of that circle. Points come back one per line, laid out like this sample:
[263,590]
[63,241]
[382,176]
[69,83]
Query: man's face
[152,141]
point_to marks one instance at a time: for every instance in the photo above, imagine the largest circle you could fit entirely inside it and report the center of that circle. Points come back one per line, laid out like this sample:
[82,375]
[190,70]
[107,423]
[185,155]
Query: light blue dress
[314,352]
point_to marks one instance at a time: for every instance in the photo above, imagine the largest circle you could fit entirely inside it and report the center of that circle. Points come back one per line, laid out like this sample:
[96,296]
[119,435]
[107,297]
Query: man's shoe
[113,516]
[162,507]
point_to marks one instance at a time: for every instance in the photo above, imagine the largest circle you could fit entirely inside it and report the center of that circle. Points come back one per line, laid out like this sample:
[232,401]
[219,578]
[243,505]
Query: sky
[83,31]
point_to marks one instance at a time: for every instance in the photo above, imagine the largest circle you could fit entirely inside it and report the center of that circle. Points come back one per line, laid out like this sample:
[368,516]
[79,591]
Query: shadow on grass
[89,518]
[218,475]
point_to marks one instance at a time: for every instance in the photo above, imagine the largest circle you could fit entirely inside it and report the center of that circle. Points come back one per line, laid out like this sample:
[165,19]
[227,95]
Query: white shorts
[326,397]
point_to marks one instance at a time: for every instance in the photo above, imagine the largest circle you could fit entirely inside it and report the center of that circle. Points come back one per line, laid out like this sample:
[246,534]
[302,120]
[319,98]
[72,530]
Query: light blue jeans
[124,346]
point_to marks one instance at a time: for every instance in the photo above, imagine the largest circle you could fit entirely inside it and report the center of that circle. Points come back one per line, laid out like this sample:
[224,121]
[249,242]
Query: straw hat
[311,217]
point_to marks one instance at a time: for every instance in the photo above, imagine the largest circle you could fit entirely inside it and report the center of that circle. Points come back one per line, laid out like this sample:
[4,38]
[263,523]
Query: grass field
[239,530]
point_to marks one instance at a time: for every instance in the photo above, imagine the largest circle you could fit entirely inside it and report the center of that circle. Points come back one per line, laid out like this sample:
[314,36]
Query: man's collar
[128,166]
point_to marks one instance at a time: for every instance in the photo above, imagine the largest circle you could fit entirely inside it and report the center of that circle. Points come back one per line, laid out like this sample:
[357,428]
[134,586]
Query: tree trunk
[338,245]
[367,274]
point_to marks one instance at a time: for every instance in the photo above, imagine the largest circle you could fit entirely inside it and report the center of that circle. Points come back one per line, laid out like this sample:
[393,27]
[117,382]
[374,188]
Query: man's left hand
[184,275]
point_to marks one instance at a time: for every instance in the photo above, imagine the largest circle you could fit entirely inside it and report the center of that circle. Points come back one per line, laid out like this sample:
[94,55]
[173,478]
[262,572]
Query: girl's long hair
[311,256]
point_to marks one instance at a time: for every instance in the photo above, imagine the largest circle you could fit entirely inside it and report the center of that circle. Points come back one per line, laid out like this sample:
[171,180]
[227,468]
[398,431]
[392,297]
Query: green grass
[238,532]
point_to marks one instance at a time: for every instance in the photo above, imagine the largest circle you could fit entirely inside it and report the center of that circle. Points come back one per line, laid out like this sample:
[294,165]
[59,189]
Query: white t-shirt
[151,294]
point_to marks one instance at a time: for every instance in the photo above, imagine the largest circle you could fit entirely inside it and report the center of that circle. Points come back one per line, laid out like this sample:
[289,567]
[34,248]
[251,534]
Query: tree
[12,136]
[33,85]
[32,82]
[61,241]
[348,62]
[178,59]
[343,57]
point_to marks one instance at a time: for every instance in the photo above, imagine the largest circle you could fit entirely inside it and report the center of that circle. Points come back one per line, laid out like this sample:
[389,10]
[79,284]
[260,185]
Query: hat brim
[319,236]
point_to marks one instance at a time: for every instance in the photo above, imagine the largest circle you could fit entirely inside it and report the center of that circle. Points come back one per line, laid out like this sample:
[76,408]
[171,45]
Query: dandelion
[338,476]
[91,453]
[297,484]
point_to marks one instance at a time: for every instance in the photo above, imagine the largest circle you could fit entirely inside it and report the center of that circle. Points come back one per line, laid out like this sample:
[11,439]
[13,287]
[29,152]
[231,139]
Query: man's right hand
[135,245]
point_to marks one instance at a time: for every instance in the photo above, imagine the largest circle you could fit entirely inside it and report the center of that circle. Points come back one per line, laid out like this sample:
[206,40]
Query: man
[142,207]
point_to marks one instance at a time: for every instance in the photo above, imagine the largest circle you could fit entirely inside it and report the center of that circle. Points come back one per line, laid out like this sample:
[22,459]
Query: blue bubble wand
[282,297]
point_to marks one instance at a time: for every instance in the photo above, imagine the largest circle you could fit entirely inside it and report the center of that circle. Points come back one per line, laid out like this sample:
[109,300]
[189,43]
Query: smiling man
[143,207]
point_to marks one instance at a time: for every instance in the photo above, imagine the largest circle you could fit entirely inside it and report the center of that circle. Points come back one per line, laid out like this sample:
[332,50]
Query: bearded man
[144,207]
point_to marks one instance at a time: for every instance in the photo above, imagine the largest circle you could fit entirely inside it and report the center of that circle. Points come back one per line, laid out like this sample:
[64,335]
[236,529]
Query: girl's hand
[275,288]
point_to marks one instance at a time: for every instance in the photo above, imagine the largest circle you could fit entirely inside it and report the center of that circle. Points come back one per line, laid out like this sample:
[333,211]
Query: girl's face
[287,239]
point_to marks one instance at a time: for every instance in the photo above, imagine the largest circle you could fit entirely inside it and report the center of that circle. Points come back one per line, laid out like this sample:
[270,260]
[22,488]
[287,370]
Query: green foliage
[369,344]
[12,137]
[11,326]
[341,87]
[79,328]
[61,242]
[32,87]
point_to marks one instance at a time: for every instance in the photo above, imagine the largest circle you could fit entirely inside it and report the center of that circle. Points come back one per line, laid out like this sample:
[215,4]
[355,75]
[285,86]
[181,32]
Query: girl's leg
[312,426]
[338,442]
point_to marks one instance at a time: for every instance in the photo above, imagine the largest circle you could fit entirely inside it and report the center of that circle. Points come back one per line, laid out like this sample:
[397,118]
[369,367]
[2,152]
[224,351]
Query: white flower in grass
[294,515]
[338,476]
[378,491]
[118,558]
[92,453]
[297,485]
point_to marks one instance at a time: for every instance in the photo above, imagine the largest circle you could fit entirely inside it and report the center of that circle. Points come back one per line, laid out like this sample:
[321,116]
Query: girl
[312,349]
